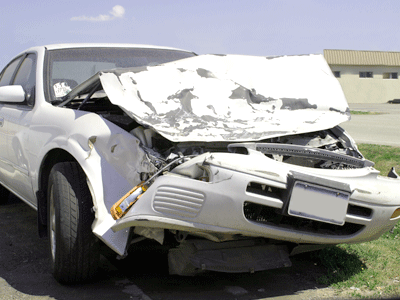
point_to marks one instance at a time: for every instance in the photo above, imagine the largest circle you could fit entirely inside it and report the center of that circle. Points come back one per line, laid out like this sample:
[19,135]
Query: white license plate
[318,203]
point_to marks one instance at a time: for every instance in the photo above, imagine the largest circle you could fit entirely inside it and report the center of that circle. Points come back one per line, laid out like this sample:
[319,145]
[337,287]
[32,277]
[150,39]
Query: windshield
[66,68]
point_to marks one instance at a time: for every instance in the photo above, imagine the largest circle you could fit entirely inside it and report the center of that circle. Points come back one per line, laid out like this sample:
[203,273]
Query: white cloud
[117,12]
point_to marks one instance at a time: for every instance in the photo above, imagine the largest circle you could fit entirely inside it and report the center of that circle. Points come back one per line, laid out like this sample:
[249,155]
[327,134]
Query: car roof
[42,49]
[98,45]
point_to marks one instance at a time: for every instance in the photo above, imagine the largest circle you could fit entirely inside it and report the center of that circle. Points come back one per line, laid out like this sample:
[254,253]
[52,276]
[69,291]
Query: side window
[26,77]
[9,72]
[26,73]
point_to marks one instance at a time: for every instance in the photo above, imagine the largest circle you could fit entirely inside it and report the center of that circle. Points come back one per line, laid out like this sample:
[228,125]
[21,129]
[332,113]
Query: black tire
[74,249]
[4,195]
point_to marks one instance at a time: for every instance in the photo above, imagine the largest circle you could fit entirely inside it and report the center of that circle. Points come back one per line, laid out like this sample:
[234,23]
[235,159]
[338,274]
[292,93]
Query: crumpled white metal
[232,97]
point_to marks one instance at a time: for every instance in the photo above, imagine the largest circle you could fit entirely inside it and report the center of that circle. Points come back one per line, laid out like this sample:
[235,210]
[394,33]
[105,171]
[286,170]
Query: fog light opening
[395,214]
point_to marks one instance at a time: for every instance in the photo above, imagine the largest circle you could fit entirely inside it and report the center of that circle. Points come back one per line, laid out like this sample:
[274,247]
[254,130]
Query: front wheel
[73,247]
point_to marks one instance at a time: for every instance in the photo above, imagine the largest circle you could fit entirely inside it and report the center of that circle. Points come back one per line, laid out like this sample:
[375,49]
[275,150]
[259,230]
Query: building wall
[368,90]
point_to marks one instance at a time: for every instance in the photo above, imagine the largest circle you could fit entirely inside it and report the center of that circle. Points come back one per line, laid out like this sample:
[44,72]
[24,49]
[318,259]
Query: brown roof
[365,58]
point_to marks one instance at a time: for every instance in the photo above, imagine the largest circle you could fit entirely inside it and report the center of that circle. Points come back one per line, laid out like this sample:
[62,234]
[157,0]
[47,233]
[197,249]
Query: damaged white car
[232,162]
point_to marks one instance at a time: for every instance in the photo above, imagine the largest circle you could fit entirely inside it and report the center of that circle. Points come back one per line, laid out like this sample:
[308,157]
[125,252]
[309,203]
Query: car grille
[276,217]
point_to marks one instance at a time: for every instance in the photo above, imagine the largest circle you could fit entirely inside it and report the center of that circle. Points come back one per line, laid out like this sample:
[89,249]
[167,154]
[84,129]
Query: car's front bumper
[246,195]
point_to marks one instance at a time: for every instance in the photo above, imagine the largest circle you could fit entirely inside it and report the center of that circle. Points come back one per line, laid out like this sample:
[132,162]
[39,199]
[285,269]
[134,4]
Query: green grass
[385,157]
[359,112]
[369,269]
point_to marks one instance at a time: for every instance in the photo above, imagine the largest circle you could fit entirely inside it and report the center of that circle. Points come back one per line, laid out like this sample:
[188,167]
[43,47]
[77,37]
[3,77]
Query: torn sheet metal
[224,98]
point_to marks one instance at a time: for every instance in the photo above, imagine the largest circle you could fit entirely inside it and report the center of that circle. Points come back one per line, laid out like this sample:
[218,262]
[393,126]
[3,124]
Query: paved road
[382,129]
[25,273]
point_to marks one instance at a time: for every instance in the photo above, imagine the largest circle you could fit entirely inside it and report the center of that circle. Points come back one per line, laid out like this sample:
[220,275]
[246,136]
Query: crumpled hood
[230,98]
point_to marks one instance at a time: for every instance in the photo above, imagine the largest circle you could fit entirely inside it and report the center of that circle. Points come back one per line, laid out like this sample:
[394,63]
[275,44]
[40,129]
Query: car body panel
[17,120]
[69,131]
[220,202]
[216,98]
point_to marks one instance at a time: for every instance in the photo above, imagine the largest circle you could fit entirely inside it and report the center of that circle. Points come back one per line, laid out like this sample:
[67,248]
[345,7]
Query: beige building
[366,76]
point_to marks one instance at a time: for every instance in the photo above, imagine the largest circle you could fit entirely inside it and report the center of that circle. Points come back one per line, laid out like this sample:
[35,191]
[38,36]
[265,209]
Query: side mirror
[12,93]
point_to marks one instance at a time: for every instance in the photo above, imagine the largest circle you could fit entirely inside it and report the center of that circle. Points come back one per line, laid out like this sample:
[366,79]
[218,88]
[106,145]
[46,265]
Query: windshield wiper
[66,99]
[89,95]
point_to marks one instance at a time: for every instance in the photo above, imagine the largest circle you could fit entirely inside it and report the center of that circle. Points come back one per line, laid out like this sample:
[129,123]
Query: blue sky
[252,27]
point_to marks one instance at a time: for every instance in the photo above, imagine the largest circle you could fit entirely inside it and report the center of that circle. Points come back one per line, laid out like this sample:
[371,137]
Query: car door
[6,76]
[16,119]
